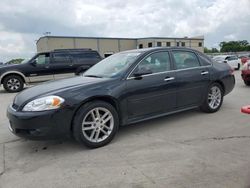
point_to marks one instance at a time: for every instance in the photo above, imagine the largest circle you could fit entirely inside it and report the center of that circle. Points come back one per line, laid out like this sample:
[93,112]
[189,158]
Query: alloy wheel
[214,97]
[97,124]
[13,84]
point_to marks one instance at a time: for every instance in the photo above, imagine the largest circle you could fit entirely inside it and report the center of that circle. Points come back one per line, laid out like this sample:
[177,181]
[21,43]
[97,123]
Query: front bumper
[245,74]
[40,125]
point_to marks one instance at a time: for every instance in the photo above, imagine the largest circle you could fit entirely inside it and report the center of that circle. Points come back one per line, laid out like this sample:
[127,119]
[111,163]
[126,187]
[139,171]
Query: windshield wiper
[93,76]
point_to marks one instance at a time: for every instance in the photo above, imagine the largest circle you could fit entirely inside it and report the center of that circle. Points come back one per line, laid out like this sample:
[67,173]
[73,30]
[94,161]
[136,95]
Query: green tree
[15,61]
[234,46]
[213,50]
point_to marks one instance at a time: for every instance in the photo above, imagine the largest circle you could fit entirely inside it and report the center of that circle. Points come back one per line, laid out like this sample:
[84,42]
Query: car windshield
[112,66]
[25,60]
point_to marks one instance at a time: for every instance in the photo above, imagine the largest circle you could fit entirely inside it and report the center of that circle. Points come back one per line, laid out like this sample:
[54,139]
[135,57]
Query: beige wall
[86,43]
[60,43]
[108,45]
[127,44]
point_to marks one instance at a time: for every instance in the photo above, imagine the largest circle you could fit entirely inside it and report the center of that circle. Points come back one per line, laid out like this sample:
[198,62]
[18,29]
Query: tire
[213,105]
[247,82]
[96,134]
[13,83]
[238,68]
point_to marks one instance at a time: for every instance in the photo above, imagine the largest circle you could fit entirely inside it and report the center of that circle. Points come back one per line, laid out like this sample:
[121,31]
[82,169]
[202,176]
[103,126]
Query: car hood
[48,88]
[10,67]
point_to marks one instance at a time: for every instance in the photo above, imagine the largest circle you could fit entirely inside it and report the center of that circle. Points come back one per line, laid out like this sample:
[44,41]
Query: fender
[26,80]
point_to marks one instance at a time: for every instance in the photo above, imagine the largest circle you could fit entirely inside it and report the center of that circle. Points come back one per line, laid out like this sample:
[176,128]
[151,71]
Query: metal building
[108,46]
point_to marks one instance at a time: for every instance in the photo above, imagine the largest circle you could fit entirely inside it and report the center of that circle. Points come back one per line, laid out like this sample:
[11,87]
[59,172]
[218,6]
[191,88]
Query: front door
[191,77]
[153,93]
[38,69]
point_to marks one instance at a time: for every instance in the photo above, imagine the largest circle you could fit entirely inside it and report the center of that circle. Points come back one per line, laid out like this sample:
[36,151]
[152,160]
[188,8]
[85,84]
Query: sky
[22,22]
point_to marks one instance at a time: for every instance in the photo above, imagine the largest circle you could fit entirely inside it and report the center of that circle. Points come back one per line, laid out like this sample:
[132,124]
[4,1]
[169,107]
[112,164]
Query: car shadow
[69,145]
[156,123]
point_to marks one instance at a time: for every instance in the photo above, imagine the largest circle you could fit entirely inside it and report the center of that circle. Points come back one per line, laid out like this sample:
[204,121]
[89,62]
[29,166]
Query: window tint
[156,62]
[158,43]
[42,59]
[185,60]
[60,58]
[231,58]
[85,55]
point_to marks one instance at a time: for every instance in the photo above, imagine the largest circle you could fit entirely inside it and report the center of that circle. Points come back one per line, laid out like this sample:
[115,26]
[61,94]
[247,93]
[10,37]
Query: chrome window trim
[177,70]
[163,72]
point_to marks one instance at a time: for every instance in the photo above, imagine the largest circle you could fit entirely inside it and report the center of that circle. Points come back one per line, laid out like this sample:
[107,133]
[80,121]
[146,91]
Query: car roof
[151,49]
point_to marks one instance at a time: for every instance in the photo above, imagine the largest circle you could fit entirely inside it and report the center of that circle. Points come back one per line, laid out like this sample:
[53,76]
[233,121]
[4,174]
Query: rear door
[62,65]
[192,78]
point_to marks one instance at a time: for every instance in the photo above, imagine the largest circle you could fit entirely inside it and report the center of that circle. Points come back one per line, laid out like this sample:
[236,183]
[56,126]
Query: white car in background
[232,60]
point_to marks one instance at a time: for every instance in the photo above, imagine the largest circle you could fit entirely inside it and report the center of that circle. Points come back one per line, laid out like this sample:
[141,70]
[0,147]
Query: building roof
[115,38]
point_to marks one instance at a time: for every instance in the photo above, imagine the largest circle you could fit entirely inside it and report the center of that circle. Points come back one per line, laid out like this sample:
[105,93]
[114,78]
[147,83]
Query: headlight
[44,103]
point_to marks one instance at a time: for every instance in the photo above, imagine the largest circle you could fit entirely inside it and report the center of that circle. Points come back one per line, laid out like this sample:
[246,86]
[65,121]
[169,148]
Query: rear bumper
[229,83]
[39,125]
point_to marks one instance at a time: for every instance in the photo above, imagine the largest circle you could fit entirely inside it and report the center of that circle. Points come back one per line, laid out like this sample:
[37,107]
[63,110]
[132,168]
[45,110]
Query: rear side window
[184,59]
[61,58]
[205,60]
[85,55]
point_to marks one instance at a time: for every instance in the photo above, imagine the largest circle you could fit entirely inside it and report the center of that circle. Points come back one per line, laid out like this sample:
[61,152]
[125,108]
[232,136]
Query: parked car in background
[244,58]
[122,89]
[232,60]
[245,109]
[1,63]
[46,66]
[245,73]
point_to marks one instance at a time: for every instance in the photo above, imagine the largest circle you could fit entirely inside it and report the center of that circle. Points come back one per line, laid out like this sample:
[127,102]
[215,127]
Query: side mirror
[142,72]
[33,62]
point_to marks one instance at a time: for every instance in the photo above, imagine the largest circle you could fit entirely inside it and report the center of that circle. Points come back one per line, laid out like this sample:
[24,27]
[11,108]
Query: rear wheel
[247,82]
[214,99]
[13,83]
[95,124]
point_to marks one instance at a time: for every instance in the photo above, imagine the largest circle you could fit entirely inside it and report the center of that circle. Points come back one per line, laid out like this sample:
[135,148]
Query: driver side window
[42,59]
[155,63]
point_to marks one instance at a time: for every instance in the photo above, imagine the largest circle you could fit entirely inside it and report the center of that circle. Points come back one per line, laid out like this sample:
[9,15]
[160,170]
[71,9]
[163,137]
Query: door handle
[204,72]
[71,65]
[169,79]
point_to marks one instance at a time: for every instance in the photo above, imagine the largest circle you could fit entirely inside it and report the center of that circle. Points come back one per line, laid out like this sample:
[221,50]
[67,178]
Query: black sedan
[124,88]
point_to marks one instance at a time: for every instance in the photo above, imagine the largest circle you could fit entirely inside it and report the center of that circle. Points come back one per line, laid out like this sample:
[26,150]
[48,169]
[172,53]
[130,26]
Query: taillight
[246,66]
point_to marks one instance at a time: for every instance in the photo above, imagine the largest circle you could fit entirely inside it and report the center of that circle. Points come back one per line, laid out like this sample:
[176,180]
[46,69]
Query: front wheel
[214,99]
[13,83]
[95,124]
